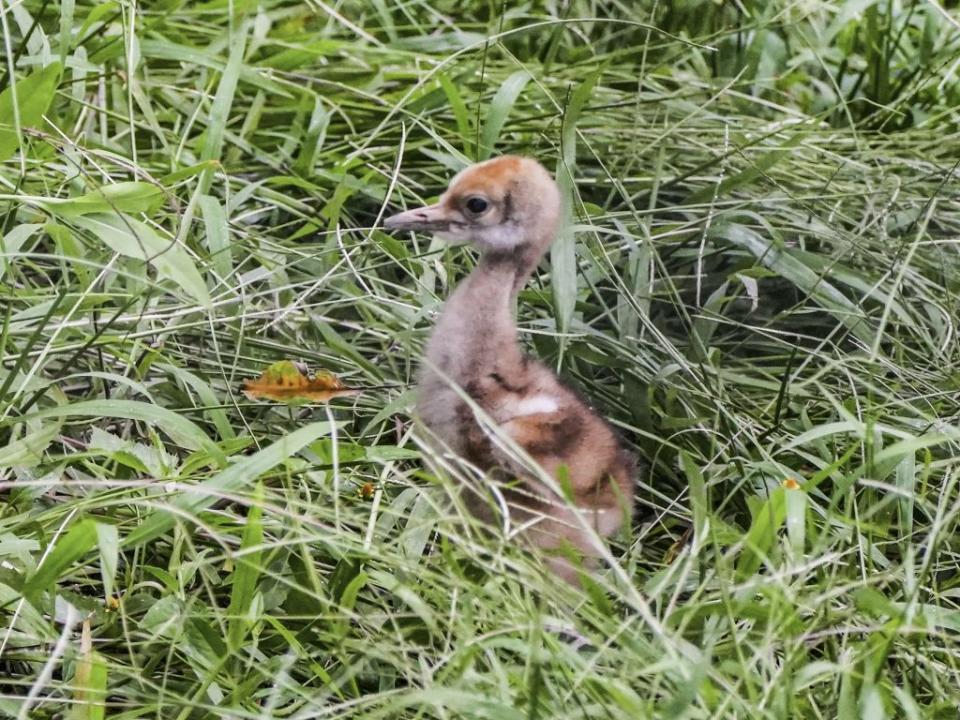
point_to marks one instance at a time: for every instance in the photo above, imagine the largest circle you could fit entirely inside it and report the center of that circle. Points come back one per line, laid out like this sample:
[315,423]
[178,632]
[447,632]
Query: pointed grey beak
[432,218]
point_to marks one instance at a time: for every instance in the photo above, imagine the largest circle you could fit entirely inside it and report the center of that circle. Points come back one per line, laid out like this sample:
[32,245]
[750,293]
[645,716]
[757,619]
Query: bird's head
[504,205]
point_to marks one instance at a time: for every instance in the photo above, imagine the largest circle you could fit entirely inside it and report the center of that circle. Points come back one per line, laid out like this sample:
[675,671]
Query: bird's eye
[477,205]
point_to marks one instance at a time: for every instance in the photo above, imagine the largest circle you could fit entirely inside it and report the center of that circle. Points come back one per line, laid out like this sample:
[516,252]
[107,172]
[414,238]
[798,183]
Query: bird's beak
[432,218]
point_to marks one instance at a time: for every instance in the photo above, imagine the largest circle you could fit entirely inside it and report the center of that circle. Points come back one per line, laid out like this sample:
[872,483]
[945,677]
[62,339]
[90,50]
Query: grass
[761,291]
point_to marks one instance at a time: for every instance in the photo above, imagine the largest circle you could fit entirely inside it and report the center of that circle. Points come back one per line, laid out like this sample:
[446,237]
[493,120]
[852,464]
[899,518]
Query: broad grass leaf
[847,701]
[443,42]
[127,197]
[840,427]
[796,515]
[563,256]
[886,461]
[223,100]
[345,347]
[205,395]
[500,107]
[231,480]
[148,459]
[29,621]
[686,692]
[109,545]
[135,239]
[293,58]
[11,243]
[452,161]
[89,681]
[97,14]
[33,94]
[571,116]
[757,170]
[622,696]
[68,548]
[894,453]
[165,49]
[419,528]
[910,707]
[928,40]
[285,382]
[164,618]
[217,235]
[933,616]
[752,288]
[874,603]
[762,533]
[779,259]
[28,450]
[873,703]
[459,109]
[455,702]
[246,572]
[705,325]
[348,598]
[183,431]
[698,494]
[906,479]
[191,171]
[313,140]
[67,8]
[863,284]
[69,248]
[344,572]
[637,277]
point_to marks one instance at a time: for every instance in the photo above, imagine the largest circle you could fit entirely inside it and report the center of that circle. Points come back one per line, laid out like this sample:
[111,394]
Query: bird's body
[509,208]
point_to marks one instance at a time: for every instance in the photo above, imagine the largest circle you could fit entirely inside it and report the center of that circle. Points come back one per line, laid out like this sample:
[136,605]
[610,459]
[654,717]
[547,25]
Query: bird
[509,208]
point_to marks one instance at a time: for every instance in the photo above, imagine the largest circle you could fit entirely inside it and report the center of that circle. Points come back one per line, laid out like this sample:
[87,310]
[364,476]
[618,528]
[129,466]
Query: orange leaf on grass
[288,382]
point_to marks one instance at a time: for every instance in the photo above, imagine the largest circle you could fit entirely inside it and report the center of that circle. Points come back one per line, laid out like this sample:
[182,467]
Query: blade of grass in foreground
[182,430]
[563,259]
[246,571]
[68,549]
[33,96]
[231,480]
[500,107]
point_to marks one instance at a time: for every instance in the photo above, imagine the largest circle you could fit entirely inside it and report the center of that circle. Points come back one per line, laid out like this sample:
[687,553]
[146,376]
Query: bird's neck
[477,328]
[512,268]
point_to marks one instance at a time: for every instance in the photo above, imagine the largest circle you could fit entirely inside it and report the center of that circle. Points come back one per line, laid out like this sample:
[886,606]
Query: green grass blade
[563,254]
[231,480]
[33,96]
[109,546]
[68,549]
[500,107]
[135,239]
[179,428]
[246,572]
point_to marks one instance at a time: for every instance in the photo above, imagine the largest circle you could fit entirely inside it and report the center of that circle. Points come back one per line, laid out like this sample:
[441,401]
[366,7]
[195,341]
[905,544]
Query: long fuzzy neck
[476,329]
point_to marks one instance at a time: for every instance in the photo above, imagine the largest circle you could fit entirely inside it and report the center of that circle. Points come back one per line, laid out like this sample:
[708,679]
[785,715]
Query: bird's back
[526,406]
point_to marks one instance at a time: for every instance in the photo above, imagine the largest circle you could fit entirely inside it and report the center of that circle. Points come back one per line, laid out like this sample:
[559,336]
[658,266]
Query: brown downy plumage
[509,209]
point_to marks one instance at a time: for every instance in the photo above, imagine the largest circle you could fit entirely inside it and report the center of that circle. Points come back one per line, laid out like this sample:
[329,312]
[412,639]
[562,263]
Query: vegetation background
[759,285]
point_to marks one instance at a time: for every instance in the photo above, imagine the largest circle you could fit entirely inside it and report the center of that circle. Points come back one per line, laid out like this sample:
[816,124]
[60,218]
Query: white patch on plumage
[606,521]
[533,405]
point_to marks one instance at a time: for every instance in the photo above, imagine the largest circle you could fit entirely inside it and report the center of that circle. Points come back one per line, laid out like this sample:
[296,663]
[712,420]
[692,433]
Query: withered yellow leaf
[288,382]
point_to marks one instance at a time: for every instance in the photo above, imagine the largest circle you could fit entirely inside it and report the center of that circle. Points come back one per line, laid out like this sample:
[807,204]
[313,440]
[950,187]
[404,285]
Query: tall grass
[761,291]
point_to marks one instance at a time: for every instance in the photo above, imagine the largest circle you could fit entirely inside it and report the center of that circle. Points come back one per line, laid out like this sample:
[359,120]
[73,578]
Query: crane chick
[509,209]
